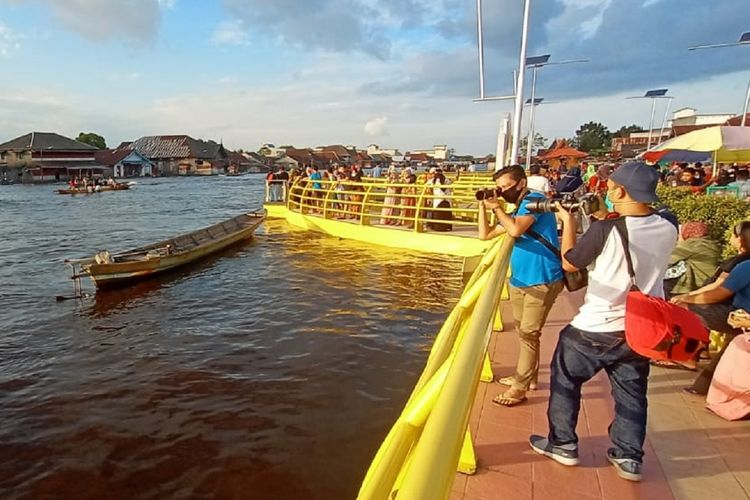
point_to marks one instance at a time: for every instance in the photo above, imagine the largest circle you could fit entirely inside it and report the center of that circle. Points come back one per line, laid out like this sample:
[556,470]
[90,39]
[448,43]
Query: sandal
[510,380]
[506,400]
[673,365]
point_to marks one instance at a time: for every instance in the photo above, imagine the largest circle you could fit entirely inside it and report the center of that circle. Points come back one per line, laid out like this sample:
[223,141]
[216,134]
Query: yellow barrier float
[430,441]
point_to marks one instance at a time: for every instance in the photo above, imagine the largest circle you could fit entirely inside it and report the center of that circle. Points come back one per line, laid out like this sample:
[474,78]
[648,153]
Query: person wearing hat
[595,338]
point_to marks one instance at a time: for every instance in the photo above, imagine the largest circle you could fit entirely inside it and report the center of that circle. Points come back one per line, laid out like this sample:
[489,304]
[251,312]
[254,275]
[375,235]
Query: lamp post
[744,40]
[654,95]
[536,62]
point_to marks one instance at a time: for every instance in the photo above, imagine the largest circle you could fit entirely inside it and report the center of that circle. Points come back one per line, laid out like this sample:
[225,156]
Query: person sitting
[693,260]
[714,303]
[742,182]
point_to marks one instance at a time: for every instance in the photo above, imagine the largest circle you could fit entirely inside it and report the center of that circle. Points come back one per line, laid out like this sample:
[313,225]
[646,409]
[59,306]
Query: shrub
[720,213]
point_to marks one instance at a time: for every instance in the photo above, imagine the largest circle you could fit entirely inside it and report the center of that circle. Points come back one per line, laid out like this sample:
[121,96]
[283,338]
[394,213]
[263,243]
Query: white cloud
[167,4]
[9,41]
[230,33]
[99,20]
[377,126]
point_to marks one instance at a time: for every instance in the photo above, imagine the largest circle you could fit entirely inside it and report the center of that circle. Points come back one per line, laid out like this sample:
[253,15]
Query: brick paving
[690,453]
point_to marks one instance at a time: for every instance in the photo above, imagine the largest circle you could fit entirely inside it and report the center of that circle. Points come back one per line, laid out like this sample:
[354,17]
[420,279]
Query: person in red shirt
[598,182]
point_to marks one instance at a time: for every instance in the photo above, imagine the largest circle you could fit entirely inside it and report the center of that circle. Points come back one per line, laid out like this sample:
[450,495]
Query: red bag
[654,327]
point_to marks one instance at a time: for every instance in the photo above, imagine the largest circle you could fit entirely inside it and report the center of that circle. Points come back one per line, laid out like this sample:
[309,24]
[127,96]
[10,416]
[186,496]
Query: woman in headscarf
[570,182]
[693,260]
[590,172]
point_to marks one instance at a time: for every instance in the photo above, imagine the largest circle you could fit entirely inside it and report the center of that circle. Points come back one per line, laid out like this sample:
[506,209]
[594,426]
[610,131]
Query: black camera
[588,204]
[484,194]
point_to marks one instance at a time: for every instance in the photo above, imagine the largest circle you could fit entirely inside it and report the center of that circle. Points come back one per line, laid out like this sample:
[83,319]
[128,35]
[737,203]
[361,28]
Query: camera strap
[544,241]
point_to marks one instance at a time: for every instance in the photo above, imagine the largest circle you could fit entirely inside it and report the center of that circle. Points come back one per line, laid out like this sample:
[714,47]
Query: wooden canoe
[113,270]
[116,187]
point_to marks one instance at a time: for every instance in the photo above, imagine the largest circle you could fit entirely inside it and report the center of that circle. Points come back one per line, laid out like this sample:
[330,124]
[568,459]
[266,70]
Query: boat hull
[440,243]
[102,189]
[118,274]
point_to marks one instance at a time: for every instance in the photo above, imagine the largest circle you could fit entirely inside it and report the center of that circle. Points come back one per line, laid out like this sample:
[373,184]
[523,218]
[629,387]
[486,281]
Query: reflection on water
[271,371]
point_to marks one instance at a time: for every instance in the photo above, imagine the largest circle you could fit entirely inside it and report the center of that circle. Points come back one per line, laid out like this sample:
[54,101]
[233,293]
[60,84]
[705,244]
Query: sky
[397,73]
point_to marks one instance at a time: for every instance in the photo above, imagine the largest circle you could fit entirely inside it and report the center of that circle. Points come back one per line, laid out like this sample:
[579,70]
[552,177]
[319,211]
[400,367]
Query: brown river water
[273,370]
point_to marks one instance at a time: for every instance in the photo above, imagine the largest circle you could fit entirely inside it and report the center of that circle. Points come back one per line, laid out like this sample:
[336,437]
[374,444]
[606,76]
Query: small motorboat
[112,270]
[82,190]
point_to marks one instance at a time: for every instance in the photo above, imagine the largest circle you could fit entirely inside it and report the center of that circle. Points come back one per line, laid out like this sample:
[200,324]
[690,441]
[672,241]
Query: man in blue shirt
[714,306]
[536,273]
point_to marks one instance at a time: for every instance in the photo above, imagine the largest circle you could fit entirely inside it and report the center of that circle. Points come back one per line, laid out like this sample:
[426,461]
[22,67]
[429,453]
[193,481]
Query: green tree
[92,139]
[625,131]
[591,136]
[540,142]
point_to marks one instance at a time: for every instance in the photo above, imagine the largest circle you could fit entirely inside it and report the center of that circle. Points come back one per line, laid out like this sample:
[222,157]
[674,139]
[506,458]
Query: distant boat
[116,187]
[113,270]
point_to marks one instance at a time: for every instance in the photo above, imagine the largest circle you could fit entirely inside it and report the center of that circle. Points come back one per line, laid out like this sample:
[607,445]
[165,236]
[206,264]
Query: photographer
[536,273]
[595,339]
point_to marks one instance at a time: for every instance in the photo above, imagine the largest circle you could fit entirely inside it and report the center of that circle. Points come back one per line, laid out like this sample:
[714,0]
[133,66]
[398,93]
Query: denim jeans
[578,357]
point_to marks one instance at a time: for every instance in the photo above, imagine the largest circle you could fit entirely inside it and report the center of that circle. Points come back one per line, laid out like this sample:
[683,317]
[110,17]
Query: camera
[487,193]
[587,204]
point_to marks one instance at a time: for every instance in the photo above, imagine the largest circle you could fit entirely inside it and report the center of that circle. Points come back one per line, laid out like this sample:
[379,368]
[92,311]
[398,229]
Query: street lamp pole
[744,40]
[654,95]
[530,137]
[518,108]
[747,104]
[536,62]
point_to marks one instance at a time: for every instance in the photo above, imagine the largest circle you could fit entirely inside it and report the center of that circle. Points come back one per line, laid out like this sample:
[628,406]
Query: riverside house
[183,155]
[125,162]
[47,157]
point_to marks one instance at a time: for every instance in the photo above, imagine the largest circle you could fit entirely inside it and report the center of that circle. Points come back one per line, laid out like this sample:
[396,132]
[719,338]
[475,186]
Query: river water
[273,370]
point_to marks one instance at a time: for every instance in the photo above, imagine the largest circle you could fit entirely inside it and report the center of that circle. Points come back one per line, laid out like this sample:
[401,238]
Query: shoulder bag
[655,328]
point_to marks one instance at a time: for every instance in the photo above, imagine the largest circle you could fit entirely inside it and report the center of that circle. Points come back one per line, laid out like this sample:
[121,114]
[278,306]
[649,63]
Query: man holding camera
[536,272]
[595,338]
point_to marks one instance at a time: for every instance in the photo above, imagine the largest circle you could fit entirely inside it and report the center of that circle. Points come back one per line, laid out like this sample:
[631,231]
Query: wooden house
[125,162]
[47,157]
[183,155]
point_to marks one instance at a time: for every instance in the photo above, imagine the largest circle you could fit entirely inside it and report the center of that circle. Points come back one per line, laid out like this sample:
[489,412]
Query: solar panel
[537,60]
[656,93]
[745,37]
[537,101]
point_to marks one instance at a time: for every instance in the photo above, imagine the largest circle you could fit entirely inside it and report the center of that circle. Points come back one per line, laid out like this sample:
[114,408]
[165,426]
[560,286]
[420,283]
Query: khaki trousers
[531,305]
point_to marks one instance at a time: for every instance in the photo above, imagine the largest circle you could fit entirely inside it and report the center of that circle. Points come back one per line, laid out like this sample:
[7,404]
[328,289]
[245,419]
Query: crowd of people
[90,184]
[593,178]
[398,202]
[630,242]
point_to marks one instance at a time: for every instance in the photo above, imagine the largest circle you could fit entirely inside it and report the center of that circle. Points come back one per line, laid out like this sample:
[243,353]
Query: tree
[540,142]
[92,139]
[625,131]
[591,136]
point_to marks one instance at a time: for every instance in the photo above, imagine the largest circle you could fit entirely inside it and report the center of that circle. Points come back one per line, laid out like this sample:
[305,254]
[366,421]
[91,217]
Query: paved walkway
[690,453]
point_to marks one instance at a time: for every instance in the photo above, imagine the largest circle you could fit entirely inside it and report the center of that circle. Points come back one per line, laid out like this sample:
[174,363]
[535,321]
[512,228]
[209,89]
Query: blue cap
[638,179]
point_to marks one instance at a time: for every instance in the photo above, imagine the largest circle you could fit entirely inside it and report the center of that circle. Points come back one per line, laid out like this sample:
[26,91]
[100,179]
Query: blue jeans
[579,356]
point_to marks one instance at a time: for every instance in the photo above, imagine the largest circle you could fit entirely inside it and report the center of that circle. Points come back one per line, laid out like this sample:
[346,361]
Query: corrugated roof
[47,141]
[177,146]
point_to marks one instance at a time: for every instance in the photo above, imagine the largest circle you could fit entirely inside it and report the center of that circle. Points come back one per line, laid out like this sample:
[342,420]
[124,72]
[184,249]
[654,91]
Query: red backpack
[654,327]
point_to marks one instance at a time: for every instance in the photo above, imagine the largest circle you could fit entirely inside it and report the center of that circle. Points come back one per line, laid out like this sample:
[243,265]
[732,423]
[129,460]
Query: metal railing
[419,457]
[417,207]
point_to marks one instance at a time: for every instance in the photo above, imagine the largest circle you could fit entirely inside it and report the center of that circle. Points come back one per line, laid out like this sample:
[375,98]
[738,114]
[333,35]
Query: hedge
[720,213]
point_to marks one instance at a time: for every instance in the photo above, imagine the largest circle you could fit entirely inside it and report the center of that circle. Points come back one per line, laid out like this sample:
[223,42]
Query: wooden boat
[113,270]
[116,187]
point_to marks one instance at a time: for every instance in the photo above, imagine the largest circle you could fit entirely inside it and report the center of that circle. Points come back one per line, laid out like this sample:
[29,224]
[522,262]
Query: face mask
[511,194]
[608,202]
